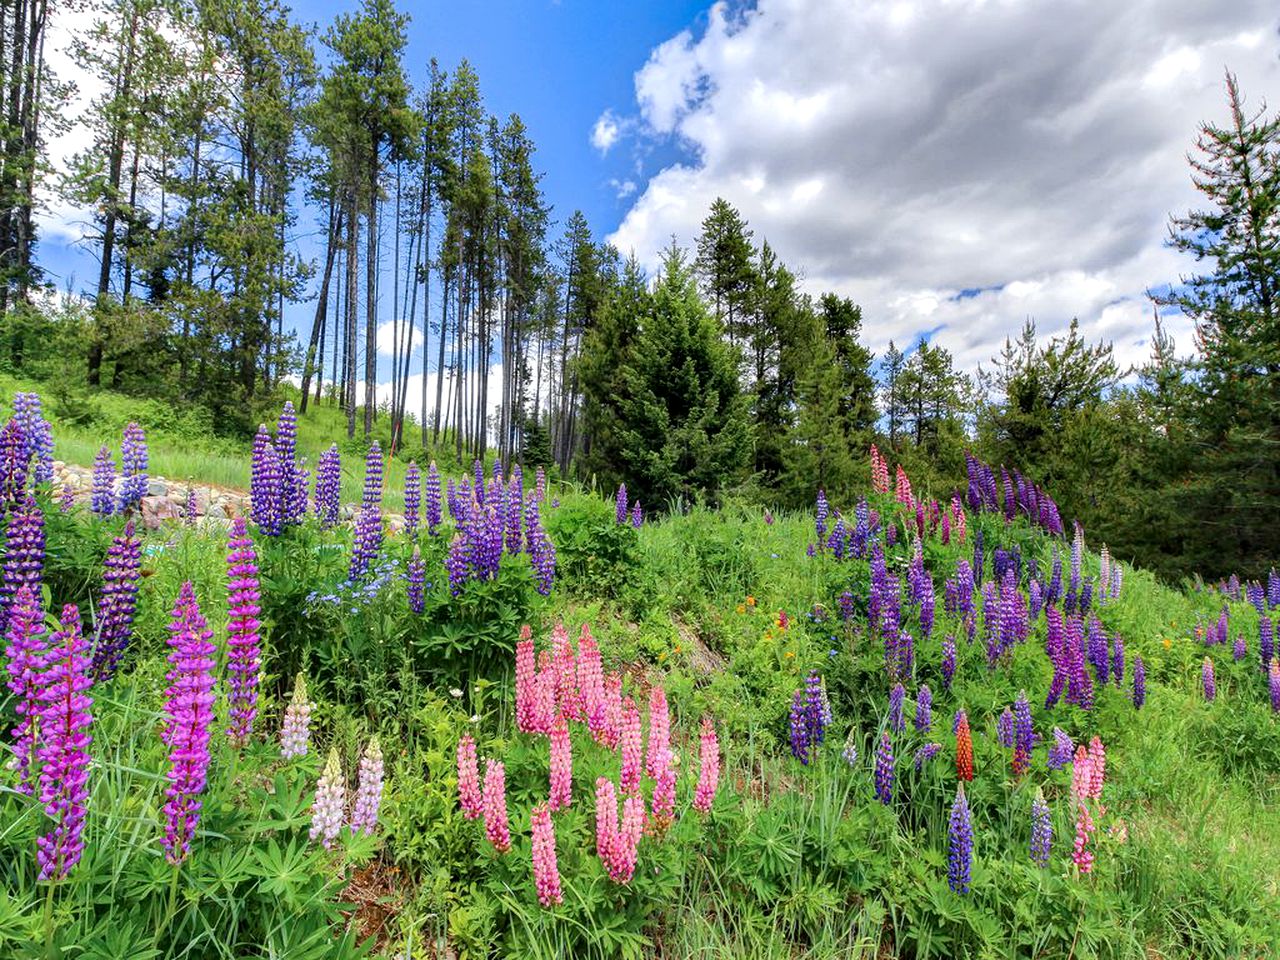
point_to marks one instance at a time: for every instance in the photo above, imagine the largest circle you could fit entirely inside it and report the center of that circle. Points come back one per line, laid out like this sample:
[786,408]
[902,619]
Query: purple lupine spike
[15,462]
[1266,639]
[1098,654]
[540,484]
[118,603]
[515,514]
[244,639]
[190,510]
[1139,683]
[1004,729]
[1023,734]
[416,579]
[37,435]
[979,557]
[1273,684]
[1273,588]
[372,495]
[63,748]
[896,697]
[478,490]
[1041,831]
[884,770]
[189,711]
[924,709]
[1239,649]
[364,813]
[1054,592]
[637,515]
[412,498]
[948,660]
[264,484]
[328,484]
[820,519]
[24,656]
[1224,626]
[366,541]
[542,553]
[1207,680]
[1256,596]
[991,610]
[454,502]
[960,841]
[103,500]
[433,498]
[620,505]
[925,754]
[134,460]
[1117,659]
[286,444]
[24,554]
[1062,751]
[66,499]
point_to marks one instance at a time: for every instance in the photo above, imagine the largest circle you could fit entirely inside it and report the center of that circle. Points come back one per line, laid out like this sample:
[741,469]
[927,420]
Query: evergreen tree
[892,367]
[842,322]
[724,265]
[819,454]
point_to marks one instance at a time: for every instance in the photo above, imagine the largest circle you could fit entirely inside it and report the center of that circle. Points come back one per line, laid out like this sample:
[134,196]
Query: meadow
[535,720]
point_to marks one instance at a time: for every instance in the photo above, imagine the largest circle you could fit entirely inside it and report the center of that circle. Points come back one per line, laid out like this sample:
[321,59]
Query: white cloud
[1026,154]
[606,131]
[386,338]
[623,188]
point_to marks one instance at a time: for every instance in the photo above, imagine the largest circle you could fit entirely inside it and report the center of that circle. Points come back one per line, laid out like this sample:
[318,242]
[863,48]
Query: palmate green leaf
[146,876]
[222,869]
[114,940]
[287,807]
[18,922]
[284,871]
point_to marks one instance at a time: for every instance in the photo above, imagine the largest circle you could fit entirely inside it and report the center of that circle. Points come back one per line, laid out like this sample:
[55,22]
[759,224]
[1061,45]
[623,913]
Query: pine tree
[724,265]
[818,454]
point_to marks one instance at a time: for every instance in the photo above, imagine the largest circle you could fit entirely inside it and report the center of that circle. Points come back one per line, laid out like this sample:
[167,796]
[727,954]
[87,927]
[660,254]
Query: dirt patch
[375,892]
[701,657]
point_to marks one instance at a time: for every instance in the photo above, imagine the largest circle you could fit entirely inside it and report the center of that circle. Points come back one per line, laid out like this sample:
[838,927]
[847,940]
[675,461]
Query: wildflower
[243,638]
[879,471]
[416,578]
[964,747]
[620,505]
[1207,680]
[1023,735]
[133,460]
[328,483]
[810,716]
[663,812]
[948,661]
[66,499]
[659,729]
[1041,831]
[561,766]
[925,754]
[495,805]
[264,485]
[295,732]
[1062,750]
[924,709]
[1240,649]
[884,770]
[1139,683]
[709,770]
[820,517]
[896,696]
[364,816]
[412,497]
[371,496]
[1097,768]
[189,710]
[330,803]
[433,516]
[1266,639]
[25,659]
[632,749]
[546,873]
[24,553]
[1004,729]
[469,796]
[637,516]
[63,747]
[1273,683]
[960,845]
[367,541]
[1081,779]
[37,434]
[617,843]
[850,751]
[15,459]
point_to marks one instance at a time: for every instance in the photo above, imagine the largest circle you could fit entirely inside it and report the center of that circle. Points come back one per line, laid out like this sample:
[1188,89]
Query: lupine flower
[964,747]
[1062,750]
[542,553]
[243,637]
[960,844]
[66,499]
[1041,831]
[133,462]
[189,709]
[495,805]
[879,471]
[24,553]
[546,873]
[809,718]
[265,504]
[1266,639]
[632,749]
[366,541]
[293,481]
[526,678]
[709,769]
[1023,734]
[606,818]
[620,505]
[1004,729]
[850,751]
[416,578]
[433,499]
[1240,649]
[24,657]
[925,754]
[637,515]
[372,495]
[884,770]
[470,797]
[330,804]
[364,815]
[663,812]
[103,499]
[616,843]
[1273,682]
[1207,680]
[295,732]
[902,488]
[1097,768]
[328,483]
[924,709]
[1081,790]
[1139,683]
[63,747]
[820,518]
[1117,659]
[412,498]
[948,661]
[561,766]
[659,729]
[37,434]
[1273,588]
[896,697]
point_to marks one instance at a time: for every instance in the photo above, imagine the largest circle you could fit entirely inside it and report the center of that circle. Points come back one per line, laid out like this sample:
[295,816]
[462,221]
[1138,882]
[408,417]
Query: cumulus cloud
[955,167]
[606,131]
[386,339]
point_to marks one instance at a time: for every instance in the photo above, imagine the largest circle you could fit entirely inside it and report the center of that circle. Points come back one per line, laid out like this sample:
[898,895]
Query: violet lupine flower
[495,804]
[66,499]
[295,732]
[118,603]
[416,579]
[709,767]
[24,657]
[366,541]
[1239,649]
[133,464]
[478,468]
[959,844]
[412,498]
[1273,588]
[925,754]
[1117,659]
[810,716]
[1053,593]
[63,747]
[1023,734]
[1207,680]
[1041,831]
[1139,683]
[820,520]
[1273,684]
[620,505]
[330,804]
[24,554]
[637,516]
[1266,640]
[265,506]
[948,660]
[979,558]
[189,709]
[243,637]
[433,499]
[1079,679]
[1062,750]
[542,552]
[15,460]
[546,872]
[103,499]
[1098,652]
[1224,626]
[884,770]
[190,509]
[364,815]
[896,697]
[293,479]
[515,512]
[924,709]
[37,435]
[328,482]
[1004,729]
[372,495]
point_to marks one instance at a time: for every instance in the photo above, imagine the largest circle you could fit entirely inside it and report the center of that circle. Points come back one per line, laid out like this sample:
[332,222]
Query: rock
[157,487]
[156,510]
[215,511]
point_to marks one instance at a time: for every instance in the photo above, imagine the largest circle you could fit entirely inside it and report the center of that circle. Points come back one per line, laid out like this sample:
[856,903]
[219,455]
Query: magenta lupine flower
[884,770]
[627,840]
[37,434]
[1273,683]
[663,805]
[412,498]
[470,797]
[264,484]
[590,682]
[546,873]
[561,765]
[134,461]
[924,709]
[948,660]
[1139,683]
[24,554]
[416,580]
[495,805]
[372,495]
[118,603]
[960,844]
[243,633]
[632,749]
[328,483]
[364,815]
[637,515]
[1041,831]
[63,747]
[606,819]
[295,732]
[526,681]
[189,711]
[620,505]
[709,769]
[329,808]
[659,729]
[433,499]
[24,657]
[1207,680]
[366,541]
